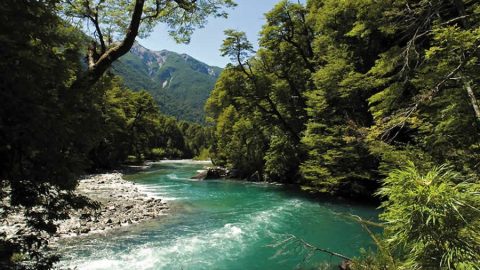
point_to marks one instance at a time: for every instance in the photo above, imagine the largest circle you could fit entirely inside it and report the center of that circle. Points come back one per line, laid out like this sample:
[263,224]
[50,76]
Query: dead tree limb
[292,239]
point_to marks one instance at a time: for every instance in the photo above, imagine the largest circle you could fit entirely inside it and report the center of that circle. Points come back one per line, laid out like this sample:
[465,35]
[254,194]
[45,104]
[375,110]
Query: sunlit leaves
[113,17]
[236,46]
[432,218]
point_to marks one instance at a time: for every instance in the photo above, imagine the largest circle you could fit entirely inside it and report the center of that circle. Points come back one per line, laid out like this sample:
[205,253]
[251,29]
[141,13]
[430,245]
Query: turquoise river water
[218,224]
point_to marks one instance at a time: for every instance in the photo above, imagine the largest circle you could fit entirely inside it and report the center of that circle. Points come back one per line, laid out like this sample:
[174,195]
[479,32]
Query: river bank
[243,221]
[219,172]
[121,203]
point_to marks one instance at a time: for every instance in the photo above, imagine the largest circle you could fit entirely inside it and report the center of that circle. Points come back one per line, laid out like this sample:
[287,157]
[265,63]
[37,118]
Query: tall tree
[116,24]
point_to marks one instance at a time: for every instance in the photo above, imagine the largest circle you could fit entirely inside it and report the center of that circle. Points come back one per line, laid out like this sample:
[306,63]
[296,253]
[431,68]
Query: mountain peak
[179,83]
[156,59]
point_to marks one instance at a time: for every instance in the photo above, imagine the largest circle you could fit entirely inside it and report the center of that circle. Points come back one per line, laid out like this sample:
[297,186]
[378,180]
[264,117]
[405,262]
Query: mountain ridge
[179,83]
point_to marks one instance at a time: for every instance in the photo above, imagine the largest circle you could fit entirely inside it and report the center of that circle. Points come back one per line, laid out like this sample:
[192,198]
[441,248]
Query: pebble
[130,206]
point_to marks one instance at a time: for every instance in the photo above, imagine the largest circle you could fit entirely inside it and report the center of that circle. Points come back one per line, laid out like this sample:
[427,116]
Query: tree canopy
[61,116]
[114,25]
[354,88]
[352,97]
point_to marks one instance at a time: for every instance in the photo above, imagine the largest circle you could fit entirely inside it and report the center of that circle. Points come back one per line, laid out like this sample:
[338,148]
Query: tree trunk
[473,99]
[98,67]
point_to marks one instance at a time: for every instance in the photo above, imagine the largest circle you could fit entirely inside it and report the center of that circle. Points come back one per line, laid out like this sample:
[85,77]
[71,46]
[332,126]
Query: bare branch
[292,239]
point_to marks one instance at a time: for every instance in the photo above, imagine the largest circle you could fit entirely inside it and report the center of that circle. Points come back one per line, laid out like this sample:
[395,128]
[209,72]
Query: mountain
[179,83]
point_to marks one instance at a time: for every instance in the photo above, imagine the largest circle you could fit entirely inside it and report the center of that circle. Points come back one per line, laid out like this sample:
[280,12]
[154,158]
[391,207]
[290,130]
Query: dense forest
[342,92]
[344,96]
[63,114]
[356,98]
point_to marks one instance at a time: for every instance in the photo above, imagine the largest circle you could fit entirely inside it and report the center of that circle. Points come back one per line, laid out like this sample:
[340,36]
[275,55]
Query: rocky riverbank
[218,172]
[121,203]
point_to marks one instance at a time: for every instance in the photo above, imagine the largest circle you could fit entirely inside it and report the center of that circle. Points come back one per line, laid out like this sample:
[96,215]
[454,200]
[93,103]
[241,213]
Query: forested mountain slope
[179,83]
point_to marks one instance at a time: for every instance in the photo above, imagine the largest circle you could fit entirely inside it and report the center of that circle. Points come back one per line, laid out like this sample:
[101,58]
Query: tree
[42,150]
[346,43]
[268,89]
[425,83]
[117,24]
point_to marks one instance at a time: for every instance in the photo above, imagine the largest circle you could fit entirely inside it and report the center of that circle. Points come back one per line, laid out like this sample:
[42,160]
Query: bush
[432,219]
[203,155]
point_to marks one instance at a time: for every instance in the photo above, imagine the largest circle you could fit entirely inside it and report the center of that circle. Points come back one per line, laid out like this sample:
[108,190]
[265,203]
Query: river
[218,224]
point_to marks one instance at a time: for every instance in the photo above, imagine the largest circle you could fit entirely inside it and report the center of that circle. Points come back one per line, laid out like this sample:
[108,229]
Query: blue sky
[205,43]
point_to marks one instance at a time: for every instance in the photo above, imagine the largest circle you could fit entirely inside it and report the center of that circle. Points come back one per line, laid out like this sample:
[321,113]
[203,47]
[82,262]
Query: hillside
[179,83]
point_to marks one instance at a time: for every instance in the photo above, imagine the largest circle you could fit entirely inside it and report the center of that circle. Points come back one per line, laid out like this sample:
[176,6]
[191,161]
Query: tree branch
[292,239]
[108,57]
[473,99]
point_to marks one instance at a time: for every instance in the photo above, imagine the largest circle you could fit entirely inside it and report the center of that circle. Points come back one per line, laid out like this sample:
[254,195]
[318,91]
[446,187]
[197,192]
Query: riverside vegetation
[343,97]
[356,98]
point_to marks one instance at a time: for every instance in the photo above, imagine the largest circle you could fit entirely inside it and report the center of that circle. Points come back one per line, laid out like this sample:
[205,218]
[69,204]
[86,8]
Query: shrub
[432,219]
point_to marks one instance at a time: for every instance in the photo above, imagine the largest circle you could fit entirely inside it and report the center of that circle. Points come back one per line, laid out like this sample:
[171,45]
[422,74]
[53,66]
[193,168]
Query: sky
[205,43]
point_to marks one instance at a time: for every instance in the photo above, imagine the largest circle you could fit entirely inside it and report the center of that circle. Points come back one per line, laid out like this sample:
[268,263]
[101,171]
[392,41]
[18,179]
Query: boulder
[216,173]
[201,175]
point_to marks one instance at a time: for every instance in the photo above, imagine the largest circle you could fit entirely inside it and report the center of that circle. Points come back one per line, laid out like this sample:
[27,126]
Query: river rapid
[220,224]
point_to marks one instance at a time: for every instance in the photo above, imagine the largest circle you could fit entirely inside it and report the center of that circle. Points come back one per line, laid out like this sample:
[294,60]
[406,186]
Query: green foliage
[342,94]
[203,155]
[133,126]
[432,218]
[238,143]
[36,109]
[420,105]
[236,46]
[51,133]
[113,17]
[281,159]
[130,120]
[262,98]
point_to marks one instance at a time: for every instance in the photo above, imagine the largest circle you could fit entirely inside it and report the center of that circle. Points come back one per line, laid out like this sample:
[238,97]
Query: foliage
[344,93]
[358,87]
[113,17]
[432,218]
[265,95]
[133,126]
[431,221]
[51,132]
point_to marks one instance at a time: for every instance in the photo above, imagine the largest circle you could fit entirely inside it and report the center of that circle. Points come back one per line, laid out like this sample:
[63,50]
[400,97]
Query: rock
[201,175]
[345,265]
[84,216]
[234,173]
[216,173]
[120,204]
